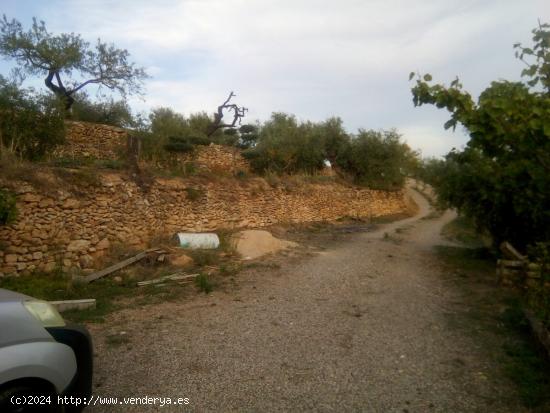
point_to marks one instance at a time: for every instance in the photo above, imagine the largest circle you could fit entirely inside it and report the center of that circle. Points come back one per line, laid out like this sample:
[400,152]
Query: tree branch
[238,114]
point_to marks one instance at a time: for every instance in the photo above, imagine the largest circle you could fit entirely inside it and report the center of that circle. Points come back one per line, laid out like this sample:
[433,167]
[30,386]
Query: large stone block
[78,245]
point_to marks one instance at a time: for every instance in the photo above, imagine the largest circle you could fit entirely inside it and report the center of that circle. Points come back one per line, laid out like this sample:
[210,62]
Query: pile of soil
[252,244]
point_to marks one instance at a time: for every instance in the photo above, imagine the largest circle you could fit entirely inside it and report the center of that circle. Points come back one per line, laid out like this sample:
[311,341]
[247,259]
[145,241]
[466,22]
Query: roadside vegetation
[494,317]
[214,269]
[500,181]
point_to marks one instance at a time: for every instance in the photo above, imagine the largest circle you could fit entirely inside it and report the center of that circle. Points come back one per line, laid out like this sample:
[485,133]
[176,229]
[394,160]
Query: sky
[312,58]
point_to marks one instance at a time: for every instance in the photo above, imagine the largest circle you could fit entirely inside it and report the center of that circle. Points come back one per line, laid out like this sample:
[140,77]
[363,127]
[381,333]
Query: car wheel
[9,394]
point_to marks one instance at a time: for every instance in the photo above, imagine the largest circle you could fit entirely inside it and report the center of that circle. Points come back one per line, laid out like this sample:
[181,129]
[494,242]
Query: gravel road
[359,326]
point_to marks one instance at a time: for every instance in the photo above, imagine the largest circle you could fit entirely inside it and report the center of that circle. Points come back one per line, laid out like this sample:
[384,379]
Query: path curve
[359,327]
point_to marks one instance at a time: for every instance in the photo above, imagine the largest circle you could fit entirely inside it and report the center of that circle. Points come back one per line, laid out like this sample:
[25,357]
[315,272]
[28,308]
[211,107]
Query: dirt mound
[255,243]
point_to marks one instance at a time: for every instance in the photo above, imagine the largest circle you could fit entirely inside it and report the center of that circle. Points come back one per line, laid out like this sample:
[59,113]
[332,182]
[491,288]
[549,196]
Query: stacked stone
[74,232]
[85,139]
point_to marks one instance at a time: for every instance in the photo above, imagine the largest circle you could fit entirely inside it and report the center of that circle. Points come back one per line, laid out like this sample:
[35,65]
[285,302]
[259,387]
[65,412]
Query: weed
[203,283]
[230,270]
[61,287]
[8,207]
[194,194]
[202,258]
[227,244]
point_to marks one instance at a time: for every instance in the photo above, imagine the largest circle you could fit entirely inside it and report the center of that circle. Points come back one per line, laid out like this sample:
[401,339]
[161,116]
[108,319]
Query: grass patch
[53,287]
[524,363]
[463,230]
[494,316]
[474,260]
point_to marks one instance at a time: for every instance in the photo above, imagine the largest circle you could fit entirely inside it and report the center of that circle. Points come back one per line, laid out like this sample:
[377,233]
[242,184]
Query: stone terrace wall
[85,139]
[218,158]
[63,229]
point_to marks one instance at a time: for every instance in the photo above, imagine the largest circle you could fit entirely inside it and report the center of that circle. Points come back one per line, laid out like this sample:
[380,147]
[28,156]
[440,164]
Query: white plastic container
[191,240]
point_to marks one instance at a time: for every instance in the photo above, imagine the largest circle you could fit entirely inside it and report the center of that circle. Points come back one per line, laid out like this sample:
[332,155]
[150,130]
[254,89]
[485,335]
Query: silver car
[42,359]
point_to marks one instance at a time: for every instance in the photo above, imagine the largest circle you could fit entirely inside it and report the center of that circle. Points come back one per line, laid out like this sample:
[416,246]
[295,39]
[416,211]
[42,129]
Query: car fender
[47,360]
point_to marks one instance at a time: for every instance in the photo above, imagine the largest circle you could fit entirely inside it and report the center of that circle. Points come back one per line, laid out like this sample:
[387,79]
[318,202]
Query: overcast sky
[312,58]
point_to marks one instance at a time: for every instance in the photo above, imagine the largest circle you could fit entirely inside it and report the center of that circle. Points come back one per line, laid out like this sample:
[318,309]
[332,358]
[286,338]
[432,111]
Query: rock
[46,202]
[49,267]
[30,197]
[78,245]
[10,258]
[37,255]
[117,279]
[8,270]
[70,203]
[86,261]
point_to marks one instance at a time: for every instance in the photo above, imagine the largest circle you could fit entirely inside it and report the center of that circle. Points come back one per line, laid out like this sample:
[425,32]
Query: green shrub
[31,125]
[284,146]
[107,112]
[179,145]
[376,159]
[8,208]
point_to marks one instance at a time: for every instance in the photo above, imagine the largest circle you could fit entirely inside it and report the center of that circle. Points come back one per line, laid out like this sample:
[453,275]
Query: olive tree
[67,62]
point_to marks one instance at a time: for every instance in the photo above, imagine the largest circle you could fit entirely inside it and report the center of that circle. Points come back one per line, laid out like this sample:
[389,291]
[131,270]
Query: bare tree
[238,114]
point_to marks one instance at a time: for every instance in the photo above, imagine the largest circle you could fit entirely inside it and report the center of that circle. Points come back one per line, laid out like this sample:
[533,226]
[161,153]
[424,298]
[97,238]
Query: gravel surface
[359,326]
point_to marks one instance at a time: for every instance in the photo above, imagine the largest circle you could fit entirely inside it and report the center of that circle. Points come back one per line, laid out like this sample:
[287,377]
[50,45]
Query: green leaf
[427,77]
[411,75]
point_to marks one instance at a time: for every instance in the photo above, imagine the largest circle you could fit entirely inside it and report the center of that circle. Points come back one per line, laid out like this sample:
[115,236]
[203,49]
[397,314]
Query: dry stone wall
[93,140]
[74,232]
[85,139]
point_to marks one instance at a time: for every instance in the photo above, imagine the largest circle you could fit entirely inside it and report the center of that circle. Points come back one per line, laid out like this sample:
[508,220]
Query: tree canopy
[501,178]
[68,62]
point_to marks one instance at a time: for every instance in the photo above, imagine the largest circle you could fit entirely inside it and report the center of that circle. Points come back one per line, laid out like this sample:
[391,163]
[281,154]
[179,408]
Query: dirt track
[359,326]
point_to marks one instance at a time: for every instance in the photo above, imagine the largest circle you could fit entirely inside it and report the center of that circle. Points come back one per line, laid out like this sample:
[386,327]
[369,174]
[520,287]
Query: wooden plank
[106,271]
[510,252]
[65,305]
[512,264]
[172,277]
